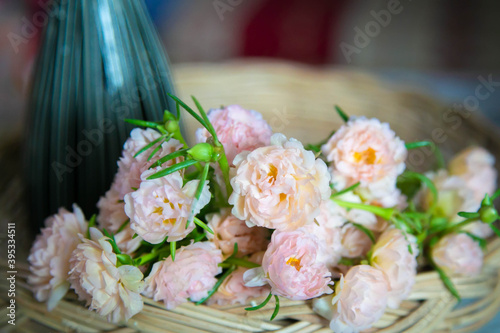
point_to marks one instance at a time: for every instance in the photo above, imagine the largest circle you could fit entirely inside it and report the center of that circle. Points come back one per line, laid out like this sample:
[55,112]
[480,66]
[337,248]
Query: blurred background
[443,48]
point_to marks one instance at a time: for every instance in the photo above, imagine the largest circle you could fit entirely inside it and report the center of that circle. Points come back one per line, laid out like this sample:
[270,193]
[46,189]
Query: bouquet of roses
[248,214]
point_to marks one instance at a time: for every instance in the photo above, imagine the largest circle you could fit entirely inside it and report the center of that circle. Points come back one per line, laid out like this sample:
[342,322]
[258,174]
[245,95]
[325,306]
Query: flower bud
[202,152]
[172,126]
[488,214]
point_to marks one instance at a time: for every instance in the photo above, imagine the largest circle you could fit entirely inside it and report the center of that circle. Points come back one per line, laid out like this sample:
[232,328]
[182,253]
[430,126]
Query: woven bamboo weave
[297,101]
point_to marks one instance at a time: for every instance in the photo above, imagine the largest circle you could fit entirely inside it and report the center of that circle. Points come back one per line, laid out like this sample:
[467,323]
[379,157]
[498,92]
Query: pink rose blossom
[50,253]
[191,275]
[237,129]
[366,151]
[233,289]
[112,291]
[476,166]
[130,168]
[391,255]
[112,216]
[360,300]
[290,265]
[355,243]
[329,233]
[279,186]
[111,205]
[161,207]
[229,230]
[458,254]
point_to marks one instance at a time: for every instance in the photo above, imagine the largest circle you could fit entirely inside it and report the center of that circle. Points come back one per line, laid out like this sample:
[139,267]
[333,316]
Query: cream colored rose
[279,186]
[49,256]
[391,255]
[476,166]
[114,292]
[458,254]
[365,150]
[359,301]
[229,230]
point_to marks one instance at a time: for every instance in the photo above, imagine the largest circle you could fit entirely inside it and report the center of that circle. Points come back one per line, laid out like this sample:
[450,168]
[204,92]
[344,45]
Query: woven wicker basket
[298,102]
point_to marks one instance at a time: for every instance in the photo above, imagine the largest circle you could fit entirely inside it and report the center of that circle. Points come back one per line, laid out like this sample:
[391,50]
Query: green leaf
[349,189]
[173,168]
[368,232]
[447,282]
[91,225]
[149,145]
[178,110]
[424,179]
[495,195]
[172,250]
[468,215]
[200,223]
[241,262]
[210,128]
[418,144]
[342,114]
[385,213]
[495,229]
[112,241]
[432,145]
[261,305]
[171,156]
[189,110]
[154,152]
[142,123]
[217,285]
[276,308]
[168,116]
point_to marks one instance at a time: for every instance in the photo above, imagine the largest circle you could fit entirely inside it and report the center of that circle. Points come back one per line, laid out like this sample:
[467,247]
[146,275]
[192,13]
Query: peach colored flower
[329,233]
[360,300]
[112,291]
[279,186]
[50,253]
[229,230]
[191,275]
[111,206]
[391,255]
[233,289]
[364,150]
[290,265]
[161,207]
[458,254]
[355,243]
[476,166]
[112,216]
[237,129]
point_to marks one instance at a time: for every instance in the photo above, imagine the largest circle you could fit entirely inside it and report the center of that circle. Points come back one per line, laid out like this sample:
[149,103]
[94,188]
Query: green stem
[462,224]
[386,213]
[240,262]
[217,285]
[224,167]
